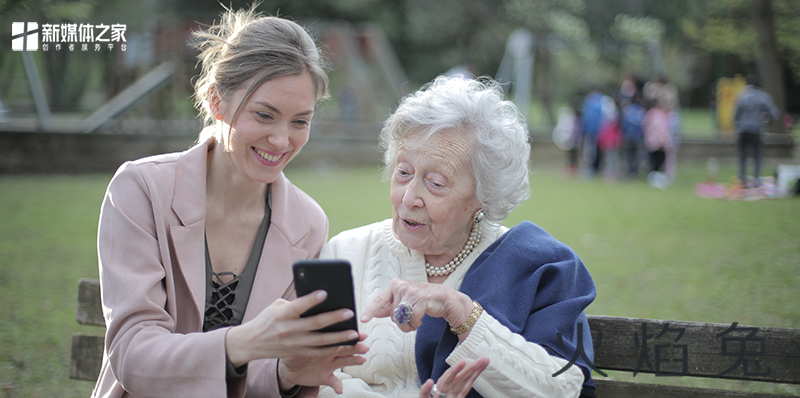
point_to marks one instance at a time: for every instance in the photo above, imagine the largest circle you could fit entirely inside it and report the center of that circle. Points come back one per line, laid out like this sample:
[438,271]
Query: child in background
[659,143]
[610,138]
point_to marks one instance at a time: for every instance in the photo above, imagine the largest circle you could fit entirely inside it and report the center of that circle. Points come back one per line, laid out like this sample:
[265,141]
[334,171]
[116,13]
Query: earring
[479,216]
[218,116]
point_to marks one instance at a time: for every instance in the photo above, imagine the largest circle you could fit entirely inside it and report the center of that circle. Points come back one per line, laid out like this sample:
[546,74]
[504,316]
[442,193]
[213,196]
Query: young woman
[196,247]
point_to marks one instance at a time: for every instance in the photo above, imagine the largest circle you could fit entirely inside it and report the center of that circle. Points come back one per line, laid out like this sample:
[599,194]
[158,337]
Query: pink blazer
[150,243]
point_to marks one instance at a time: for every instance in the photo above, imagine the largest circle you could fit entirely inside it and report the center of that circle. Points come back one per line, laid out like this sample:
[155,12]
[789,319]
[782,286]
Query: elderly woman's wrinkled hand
[435,300]
[456,382]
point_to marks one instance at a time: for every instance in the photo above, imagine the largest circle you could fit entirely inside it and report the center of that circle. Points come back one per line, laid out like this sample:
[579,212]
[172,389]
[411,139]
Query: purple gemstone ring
[403,313]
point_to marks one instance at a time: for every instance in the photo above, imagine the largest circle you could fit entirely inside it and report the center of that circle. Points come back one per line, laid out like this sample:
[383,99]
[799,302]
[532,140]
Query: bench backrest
[87,350]
[674,349]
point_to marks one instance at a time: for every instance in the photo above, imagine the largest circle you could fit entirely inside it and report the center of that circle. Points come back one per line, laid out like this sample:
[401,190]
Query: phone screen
[336,278]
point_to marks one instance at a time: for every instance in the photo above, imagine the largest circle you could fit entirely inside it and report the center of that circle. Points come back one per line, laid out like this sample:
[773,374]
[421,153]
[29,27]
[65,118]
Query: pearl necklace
[474,239]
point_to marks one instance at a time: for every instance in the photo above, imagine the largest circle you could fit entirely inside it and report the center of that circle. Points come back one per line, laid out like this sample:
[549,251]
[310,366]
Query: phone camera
[301,274]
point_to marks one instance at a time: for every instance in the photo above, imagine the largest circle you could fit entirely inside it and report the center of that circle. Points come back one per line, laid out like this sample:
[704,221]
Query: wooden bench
[667,349]
[87,350]
[685,349]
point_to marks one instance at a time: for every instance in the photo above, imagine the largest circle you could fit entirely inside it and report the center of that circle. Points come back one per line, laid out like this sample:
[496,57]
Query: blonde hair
[245,45]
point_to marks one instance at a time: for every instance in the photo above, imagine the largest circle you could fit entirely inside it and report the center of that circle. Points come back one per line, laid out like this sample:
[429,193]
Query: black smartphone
[334,277]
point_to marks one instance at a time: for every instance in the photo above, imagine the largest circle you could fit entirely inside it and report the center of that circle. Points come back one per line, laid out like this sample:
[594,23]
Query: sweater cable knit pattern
[518,368]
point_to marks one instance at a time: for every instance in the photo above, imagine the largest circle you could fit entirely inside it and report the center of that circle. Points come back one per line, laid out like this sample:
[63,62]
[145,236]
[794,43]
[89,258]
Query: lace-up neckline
[226,301]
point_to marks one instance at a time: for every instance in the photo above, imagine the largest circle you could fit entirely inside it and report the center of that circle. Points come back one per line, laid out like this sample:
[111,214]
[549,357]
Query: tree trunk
[770,67]
[543,84]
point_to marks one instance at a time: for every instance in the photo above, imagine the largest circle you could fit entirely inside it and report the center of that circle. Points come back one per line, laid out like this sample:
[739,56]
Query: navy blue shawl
[531,283]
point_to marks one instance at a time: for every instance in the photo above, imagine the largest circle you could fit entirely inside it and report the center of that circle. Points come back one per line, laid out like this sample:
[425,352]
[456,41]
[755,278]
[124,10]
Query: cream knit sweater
[517,368]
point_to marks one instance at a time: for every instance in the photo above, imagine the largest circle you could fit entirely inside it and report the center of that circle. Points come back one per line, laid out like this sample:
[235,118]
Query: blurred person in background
[591,121]
[663,94]
[628,89]
[658,89]
[576,139]
[632,133]
[196,248]
[610,138]
[659,143]
[567,135]
[754,109]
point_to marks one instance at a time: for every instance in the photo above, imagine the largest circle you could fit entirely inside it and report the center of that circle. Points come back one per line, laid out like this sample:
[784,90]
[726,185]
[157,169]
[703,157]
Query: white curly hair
[501,154]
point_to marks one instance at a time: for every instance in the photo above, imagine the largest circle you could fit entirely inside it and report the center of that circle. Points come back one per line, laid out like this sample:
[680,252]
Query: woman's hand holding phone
[312,371]
[308,357]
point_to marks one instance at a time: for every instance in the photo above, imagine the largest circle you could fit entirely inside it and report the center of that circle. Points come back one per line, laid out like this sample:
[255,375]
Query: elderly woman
[196,248]
[442,283]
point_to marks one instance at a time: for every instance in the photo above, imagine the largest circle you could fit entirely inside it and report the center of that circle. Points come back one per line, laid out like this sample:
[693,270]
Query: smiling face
[271,127]
[433,195]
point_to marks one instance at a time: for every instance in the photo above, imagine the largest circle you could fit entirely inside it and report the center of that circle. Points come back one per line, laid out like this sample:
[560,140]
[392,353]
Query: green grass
[671,255]
[653,254]
[47,236]
[697,123]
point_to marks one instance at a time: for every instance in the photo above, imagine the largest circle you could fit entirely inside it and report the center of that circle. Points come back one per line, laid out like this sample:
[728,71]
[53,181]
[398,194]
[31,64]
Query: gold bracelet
[473,317]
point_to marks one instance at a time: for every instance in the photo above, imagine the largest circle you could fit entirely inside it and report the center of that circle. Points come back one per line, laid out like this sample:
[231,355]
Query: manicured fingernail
[348,314]
[322,294]
[352,336]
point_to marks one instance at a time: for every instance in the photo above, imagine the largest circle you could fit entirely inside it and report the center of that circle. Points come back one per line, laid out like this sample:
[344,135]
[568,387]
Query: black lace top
[227,301]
